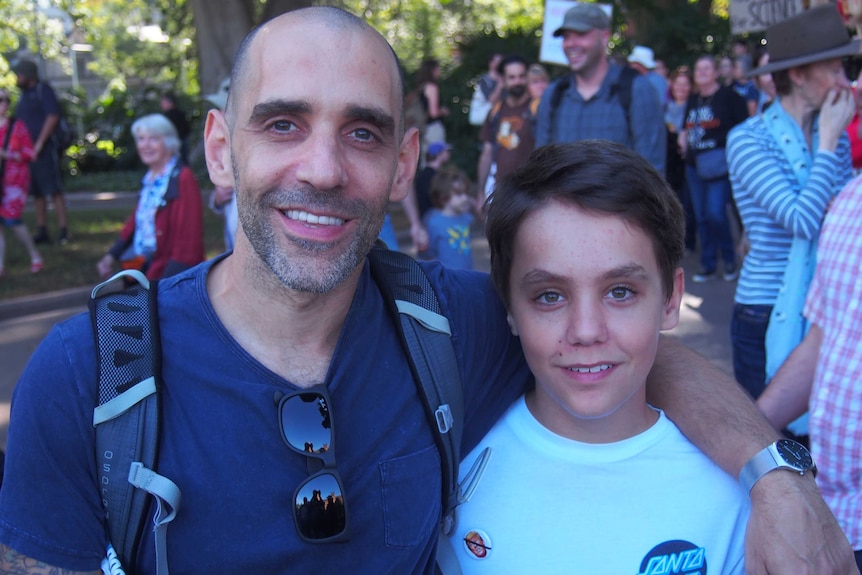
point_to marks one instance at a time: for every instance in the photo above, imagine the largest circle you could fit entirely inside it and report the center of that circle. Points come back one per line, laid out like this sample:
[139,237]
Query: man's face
[316,150]
[705,73]
[515,79]
[585,49]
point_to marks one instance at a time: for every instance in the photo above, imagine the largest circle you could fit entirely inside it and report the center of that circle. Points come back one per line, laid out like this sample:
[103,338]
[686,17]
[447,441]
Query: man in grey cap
[600,100]
[38,109]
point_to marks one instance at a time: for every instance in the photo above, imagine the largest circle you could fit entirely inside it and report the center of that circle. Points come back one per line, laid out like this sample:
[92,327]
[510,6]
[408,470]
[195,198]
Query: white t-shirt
[651,504]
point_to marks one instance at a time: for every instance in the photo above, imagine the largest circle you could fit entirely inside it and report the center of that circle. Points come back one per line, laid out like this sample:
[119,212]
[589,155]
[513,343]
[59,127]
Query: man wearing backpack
[600,100]
[507,135]
[39,110]
[285,388]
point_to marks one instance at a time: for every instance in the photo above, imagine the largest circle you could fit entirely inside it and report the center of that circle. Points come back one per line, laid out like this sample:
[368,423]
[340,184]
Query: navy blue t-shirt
[34,105]
[220,439]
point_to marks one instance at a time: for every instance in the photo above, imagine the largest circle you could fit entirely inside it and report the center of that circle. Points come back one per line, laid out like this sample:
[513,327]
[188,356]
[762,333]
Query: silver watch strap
[762,463]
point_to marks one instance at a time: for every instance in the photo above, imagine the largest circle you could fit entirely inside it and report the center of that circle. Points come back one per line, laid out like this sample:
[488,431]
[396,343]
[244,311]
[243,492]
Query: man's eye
[364,134]
[283,125]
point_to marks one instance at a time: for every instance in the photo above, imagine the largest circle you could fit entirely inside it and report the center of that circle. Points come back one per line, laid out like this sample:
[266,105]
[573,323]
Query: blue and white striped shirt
[773,208]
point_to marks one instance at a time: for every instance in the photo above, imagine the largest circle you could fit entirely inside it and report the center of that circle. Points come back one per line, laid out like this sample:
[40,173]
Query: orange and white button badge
[477,543]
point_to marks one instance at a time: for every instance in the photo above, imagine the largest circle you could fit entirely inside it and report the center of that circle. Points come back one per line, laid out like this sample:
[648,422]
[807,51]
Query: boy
[584,475]
[448,222]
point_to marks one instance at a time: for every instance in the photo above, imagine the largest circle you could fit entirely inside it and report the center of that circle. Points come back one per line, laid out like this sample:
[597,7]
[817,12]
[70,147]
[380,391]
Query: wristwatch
[783,454]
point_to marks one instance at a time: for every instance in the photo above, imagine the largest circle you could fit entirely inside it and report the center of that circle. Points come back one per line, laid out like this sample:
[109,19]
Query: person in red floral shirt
[16,152]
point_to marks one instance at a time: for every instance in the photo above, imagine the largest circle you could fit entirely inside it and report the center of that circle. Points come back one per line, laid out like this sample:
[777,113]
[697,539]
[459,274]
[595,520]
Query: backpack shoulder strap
[426,336]
[624,89]
[126,419]
[556,97]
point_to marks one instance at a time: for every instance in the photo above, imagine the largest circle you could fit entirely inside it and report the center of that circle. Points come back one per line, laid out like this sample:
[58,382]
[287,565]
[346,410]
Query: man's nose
[323,163]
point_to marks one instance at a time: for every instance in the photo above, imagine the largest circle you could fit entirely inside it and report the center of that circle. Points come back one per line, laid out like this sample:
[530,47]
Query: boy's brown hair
[446,181]
[594,175]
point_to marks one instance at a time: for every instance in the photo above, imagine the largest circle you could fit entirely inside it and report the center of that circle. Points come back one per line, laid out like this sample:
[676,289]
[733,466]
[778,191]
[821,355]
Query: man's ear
[408,160]
[217,150]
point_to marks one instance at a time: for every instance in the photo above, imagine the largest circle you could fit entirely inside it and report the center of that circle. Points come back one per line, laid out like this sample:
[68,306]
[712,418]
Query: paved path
[704,325]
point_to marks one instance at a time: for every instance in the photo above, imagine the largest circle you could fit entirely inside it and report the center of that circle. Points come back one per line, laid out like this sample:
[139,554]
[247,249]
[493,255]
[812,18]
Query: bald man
[282,356]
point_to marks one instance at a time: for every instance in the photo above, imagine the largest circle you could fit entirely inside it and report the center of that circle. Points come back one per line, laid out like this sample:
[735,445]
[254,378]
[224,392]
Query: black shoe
[64,237]
[704,276]
[731,272]
[42,237]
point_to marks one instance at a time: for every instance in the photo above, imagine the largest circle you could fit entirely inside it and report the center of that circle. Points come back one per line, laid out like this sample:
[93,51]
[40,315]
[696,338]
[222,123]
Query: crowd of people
[759,144]
[591,187]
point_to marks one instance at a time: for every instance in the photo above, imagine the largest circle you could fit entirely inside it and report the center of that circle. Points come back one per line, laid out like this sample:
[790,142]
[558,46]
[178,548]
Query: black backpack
[63,134]
[126,330]
[622,88]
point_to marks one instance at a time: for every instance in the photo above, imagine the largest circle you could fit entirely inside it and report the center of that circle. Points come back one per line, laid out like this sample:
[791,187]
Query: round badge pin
[477,543]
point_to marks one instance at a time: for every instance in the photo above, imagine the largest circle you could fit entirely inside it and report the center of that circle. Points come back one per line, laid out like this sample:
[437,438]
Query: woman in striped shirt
[786,165]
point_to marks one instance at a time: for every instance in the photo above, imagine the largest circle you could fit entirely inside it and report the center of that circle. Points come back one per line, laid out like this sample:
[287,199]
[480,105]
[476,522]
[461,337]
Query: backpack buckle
[444,418]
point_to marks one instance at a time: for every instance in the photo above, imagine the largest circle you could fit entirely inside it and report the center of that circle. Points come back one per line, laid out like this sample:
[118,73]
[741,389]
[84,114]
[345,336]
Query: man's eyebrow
[376,116]
[271,108]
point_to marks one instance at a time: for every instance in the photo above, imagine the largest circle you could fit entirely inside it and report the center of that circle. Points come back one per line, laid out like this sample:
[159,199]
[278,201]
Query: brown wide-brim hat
[812,36]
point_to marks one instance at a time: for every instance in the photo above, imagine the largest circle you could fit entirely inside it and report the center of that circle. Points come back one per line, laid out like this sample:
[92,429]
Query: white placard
[757,15]
[551,51]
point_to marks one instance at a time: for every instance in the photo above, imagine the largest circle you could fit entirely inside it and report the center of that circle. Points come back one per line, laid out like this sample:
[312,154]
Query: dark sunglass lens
[305,423]
[319,507]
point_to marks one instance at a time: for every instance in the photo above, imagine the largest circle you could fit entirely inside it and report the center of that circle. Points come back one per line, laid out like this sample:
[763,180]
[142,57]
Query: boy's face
[588,303]
[460,201]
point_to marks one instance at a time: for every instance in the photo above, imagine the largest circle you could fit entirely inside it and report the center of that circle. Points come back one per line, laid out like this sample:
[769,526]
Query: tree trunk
[221,26]
[274,8]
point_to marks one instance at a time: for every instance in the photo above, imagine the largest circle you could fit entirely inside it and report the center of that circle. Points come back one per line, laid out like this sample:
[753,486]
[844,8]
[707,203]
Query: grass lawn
[74,265]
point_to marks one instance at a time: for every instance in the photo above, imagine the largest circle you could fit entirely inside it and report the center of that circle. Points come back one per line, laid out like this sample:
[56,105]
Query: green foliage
[461,34]
[684,33]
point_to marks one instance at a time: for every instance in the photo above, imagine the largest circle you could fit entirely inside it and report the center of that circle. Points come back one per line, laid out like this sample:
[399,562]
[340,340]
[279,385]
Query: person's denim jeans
[709,199]
[748,337]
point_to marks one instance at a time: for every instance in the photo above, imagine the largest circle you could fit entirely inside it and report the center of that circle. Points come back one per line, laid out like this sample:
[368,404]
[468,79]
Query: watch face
[794,454]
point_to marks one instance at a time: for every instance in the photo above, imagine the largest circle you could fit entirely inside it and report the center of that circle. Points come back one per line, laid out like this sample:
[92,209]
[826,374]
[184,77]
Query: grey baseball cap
[584,17]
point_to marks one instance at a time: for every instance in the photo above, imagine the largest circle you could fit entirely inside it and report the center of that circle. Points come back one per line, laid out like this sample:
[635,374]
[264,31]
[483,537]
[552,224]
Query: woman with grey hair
[165,233]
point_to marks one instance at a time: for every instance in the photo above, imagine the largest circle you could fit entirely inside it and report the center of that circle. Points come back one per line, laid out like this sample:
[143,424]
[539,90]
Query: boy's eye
[549,297]
[619,292]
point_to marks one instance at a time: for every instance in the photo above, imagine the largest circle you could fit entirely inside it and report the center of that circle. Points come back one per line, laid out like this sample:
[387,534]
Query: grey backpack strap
[126,332]
[426,337]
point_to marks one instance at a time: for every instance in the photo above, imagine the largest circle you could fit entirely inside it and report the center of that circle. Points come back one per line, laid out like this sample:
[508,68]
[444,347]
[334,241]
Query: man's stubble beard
[309,270]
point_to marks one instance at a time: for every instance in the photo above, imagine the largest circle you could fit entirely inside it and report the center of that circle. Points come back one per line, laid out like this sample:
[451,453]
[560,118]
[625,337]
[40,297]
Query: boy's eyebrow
[632,270]
[540,276]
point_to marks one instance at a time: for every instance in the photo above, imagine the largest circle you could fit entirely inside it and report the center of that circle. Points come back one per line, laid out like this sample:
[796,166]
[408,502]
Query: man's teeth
[312,219]
[595,369]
